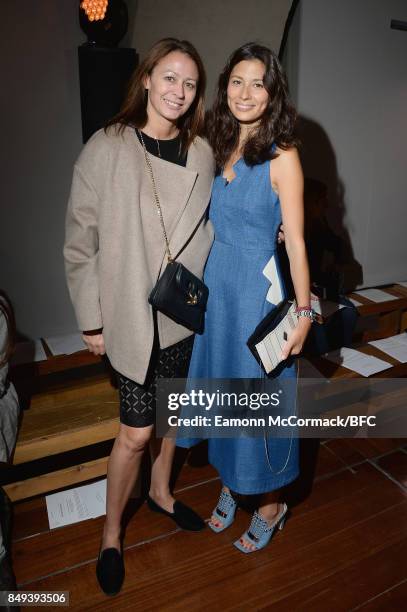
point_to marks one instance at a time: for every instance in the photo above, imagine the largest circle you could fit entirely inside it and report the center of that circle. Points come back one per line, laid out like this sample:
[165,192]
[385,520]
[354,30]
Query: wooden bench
[391,319]
[341,392]
[402,291]
[331,370]
[72,408]
[381,319]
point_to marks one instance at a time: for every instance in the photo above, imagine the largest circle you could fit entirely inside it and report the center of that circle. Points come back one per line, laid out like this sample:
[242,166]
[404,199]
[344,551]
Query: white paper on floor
[363,364]
[395,346]
[75,505]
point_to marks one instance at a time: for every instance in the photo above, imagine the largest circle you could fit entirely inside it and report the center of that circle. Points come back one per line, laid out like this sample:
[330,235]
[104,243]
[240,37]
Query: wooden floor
[343,548]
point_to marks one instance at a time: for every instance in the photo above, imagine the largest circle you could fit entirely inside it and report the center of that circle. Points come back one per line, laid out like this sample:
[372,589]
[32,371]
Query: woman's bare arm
[287,179]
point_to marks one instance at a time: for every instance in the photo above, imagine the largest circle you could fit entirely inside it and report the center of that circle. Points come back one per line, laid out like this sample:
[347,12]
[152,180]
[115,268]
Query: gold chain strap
[157,201]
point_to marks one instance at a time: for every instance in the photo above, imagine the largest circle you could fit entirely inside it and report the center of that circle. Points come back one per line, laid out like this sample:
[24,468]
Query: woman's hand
[296,338]
[95,343]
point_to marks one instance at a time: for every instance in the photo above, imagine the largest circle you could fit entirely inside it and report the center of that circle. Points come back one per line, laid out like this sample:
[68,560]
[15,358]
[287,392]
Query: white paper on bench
[376,295]
[357,361]
[269,349]
[75,505]
[65,345]
[402,283]
[395,346]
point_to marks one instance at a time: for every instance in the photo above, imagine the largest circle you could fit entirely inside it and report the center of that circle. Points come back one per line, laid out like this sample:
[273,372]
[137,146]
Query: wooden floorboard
[328,461]
[177,573]
[362,580]
[396,465]
[351,451]
[343,547]
[41,555]
[30,518]
[393,599]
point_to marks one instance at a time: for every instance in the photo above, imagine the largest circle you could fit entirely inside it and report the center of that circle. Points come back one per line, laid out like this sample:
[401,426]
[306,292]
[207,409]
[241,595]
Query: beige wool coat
[114,246]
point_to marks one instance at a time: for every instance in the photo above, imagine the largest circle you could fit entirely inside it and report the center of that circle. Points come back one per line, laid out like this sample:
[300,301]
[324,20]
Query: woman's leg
[161,472]
[173,362]
[122,471]
[160,495]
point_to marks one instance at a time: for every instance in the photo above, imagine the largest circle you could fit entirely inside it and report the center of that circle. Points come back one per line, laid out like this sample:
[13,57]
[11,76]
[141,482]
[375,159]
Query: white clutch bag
[267,340]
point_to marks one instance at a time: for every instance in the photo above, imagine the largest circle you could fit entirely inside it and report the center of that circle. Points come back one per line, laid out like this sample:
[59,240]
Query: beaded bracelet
[305,311]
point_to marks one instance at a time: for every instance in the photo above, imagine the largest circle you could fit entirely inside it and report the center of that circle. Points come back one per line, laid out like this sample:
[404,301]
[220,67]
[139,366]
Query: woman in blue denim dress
[259,184]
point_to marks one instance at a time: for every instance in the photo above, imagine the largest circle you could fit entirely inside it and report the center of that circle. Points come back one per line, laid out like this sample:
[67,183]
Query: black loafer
[110,571]
[182,515]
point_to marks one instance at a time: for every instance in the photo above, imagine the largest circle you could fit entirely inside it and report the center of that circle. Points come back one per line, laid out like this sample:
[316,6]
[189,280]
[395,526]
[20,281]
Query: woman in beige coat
[115,252]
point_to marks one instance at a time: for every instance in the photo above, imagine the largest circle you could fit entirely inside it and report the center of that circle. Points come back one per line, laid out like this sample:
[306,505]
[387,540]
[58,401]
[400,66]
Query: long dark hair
[134,108]
[7,310]
[276,124]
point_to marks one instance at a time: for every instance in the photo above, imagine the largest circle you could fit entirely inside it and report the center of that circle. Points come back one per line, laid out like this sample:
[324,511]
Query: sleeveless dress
[246,216]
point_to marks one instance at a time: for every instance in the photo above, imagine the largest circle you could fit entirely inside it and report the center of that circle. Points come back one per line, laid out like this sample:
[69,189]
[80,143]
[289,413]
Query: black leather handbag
[178,293]
[181,295]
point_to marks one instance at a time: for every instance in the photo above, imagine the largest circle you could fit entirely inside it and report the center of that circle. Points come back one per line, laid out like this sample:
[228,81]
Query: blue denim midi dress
[246,216]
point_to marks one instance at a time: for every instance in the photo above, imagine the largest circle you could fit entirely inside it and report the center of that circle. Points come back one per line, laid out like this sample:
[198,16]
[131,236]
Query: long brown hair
[134,108]
[7,310]
[276,124]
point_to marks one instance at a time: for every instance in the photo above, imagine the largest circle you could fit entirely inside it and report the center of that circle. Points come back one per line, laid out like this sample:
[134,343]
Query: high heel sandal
[260,532]
[224,511]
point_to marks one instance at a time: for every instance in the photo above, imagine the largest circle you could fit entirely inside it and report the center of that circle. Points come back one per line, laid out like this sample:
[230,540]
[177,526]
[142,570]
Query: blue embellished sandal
[224,511]
[260,532]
